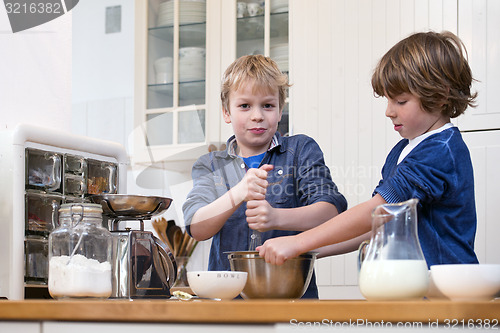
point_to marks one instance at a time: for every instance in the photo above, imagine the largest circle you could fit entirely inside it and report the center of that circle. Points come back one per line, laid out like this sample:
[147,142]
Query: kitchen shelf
[191,34]
[164,88]
[190,92]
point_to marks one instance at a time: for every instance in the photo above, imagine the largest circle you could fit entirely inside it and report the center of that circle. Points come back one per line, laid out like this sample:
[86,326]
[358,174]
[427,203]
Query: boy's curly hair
[262,70]
[432,66]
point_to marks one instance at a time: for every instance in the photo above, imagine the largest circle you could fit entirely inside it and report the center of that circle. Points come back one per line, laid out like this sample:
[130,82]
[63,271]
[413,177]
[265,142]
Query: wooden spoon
[171,230]
[177,241]
[160,227]
[191,244]
[184,243]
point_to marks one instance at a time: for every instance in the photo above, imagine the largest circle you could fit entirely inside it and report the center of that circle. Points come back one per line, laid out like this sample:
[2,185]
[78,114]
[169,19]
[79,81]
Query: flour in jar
[82,277]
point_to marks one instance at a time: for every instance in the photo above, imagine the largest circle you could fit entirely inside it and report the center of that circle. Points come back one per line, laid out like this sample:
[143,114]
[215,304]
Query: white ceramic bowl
[467,281]
[192,52]
[163,64]
[164,77]
[217,284]
[433,293]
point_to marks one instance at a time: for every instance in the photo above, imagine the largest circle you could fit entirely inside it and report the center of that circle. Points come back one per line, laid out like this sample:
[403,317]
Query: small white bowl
[224,285]
[467,282]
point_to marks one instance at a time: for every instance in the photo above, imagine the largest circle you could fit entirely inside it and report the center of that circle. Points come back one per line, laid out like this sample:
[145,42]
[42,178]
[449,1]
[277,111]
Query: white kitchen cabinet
[170,78]
[81,327]
[25,327]
[178,114]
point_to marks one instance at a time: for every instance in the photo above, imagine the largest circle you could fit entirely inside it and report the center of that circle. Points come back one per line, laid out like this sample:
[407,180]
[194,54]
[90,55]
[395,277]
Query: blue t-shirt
[254,161]
[438,172]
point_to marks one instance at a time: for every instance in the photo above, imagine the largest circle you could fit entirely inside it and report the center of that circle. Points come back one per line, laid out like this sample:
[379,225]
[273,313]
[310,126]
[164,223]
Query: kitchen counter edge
[248,311]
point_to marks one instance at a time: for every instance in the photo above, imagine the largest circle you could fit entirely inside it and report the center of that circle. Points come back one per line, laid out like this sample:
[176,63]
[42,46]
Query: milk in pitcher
[393,279]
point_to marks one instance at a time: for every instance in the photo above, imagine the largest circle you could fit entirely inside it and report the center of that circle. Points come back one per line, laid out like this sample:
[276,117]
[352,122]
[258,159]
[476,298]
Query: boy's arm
[261,216]
[345,226]
[208,220]
[343,247]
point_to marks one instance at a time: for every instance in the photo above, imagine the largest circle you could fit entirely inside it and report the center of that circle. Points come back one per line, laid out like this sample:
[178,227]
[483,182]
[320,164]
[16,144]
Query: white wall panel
[35,85]
[383,27]
[479,28]
[449,16]
[335,149]
[366,117]
[103,63]
[324,65]
[485,153]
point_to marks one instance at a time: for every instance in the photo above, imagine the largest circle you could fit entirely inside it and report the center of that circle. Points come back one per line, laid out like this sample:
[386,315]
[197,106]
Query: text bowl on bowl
[224,285]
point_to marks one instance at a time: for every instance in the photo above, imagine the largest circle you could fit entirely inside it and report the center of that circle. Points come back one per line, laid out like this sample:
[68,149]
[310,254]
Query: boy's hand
[260,215]
[278,250]
[253,186]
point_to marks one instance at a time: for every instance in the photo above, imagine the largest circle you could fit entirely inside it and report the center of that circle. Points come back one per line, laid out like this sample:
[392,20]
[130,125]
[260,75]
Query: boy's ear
[226,115]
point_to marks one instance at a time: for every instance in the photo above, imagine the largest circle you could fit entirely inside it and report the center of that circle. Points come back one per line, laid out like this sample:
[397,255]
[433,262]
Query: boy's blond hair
[432,66]
[262,70]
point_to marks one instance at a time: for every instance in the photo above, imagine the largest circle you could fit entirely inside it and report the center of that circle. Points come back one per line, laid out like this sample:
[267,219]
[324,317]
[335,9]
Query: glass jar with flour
[80,254]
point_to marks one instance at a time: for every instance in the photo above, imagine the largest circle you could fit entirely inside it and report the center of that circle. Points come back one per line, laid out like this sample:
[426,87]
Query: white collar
[415,141]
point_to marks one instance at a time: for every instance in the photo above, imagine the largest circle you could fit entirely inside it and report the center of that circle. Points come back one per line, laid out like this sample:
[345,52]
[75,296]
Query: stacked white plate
[279,53]
[190,11]
[191,64]
[279,6]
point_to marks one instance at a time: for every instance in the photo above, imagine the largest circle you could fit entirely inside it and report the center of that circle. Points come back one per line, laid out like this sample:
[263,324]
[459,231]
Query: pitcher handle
[362,252]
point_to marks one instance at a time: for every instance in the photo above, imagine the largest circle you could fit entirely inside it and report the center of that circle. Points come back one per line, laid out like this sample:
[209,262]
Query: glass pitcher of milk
[394,266]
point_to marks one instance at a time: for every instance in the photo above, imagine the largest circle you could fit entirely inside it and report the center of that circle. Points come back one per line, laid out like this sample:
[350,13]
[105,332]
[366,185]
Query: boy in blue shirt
[262,177]
[426,80]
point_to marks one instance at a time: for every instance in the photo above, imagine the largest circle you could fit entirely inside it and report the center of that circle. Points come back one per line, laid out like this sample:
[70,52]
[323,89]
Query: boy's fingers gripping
[266,167]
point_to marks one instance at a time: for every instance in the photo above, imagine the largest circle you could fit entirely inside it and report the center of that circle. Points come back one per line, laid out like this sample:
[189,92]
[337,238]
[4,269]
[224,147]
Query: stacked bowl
[190,11]
[279,53]
[164,70]
[191,64]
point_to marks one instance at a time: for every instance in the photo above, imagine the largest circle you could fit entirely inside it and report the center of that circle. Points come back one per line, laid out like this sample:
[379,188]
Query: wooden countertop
[247,311]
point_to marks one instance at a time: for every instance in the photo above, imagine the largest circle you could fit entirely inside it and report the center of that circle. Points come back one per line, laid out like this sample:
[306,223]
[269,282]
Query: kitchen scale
[143,266]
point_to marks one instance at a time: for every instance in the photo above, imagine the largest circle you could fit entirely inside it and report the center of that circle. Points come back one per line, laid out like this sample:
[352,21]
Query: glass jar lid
[79,208]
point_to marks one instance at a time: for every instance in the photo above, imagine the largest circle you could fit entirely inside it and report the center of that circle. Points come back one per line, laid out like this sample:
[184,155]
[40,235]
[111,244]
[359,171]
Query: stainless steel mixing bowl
[265,280]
